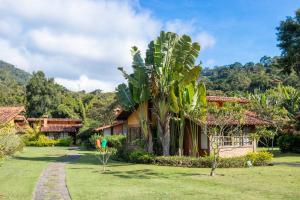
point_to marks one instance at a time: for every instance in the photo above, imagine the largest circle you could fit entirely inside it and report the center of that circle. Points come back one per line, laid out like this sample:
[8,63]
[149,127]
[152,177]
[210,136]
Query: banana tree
[138,93]
[171,59]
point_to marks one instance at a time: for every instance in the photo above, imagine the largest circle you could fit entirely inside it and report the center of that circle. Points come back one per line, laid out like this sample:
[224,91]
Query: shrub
[65,142]
[201,162]
[115,141]
[42,141]
[289,143]
[258,159]
[141,157]
[261,158]
[9,141]
[9,144]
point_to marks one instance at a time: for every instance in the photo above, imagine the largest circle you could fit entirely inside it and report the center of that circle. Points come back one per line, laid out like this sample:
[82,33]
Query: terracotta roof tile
[54,120]
[226,99]
[9,113]
[250,118]
[59,129]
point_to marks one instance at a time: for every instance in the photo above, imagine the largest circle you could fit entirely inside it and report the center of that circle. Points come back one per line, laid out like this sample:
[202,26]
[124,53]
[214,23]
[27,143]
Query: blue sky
[81,43]
[244,30]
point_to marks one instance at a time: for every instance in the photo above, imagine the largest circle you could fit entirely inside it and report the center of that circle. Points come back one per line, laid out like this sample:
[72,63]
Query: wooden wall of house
[133,119]
[187,141]
[118,129]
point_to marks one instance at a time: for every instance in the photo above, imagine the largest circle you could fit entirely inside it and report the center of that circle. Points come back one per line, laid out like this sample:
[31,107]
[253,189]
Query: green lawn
[85,179]
[127,181]
[19,174]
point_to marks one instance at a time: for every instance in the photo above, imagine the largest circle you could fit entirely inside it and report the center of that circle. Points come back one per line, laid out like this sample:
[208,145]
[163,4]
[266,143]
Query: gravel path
[52,183]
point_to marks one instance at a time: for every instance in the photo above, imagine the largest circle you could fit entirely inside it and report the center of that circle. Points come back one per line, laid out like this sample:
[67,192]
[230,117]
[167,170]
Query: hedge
[289,143]
[257,159]
[44,141]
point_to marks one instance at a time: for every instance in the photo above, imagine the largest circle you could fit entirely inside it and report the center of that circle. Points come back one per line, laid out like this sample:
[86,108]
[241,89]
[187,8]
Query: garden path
[52,183]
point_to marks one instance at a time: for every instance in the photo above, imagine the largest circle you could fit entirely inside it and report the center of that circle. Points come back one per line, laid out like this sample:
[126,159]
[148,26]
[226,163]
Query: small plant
[104,152]
[261,158]
[9,141]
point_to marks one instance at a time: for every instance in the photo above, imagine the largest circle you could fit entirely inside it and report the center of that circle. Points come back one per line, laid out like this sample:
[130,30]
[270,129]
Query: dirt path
[52,183]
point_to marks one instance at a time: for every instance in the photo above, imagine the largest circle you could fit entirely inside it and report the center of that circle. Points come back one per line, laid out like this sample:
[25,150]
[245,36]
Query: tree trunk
[181,134]
[165,136]
[150,142]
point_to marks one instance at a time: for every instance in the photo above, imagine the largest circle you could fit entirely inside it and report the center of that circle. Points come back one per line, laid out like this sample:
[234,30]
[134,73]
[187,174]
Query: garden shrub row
[44,141]
[256,158]
[289,143]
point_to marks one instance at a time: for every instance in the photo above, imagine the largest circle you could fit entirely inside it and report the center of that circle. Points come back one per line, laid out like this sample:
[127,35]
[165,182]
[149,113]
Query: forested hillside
[261,76]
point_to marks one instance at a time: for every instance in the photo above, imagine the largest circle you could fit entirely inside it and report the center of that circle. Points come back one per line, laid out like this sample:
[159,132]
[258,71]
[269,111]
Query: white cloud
[14,55]
[206,41]
[81,40]
[180,27]
[85,83]
[189,27]
[209,63]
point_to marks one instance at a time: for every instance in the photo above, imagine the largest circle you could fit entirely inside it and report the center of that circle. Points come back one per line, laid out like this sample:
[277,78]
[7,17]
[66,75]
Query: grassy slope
[19,174]
[125,181]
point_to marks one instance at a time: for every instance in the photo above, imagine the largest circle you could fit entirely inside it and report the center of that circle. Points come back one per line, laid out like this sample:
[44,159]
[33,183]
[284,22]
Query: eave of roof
[54,119]
[116,123]
[9,113]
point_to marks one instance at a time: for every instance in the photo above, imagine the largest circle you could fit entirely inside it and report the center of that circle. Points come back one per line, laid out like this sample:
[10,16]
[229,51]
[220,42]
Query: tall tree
[41,95]
[289,42]
[171,60]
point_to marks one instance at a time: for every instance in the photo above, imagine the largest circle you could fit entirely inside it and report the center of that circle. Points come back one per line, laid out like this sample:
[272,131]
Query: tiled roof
[226,99]
[9,113]
[115,123]
[250,118]
[54,120]
[56,128]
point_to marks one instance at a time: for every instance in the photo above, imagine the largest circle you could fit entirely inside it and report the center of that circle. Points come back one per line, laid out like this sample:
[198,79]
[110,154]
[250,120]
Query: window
[134,134]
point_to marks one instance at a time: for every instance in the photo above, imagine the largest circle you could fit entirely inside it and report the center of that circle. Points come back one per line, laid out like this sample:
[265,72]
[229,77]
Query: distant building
[57,128]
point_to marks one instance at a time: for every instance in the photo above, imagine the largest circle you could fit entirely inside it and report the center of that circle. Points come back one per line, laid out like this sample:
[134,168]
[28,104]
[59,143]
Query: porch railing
[233,140]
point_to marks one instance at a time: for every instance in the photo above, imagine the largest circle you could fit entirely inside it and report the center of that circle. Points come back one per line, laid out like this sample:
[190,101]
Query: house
[229,145]
[57,128]
[14,116]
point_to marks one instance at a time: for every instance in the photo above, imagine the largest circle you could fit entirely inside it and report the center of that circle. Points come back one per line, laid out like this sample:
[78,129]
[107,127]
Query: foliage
[238,79]
[260,158]
[9,141]
[138,93]
[12,89]
[65,142]
[288,36]
[141,157]
[115,141]
[41,95]
[42,141]
[289,143]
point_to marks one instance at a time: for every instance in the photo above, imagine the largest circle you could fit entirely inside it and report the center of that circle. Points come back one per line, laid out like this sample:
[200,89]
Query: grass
[19,174]
[85,179]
